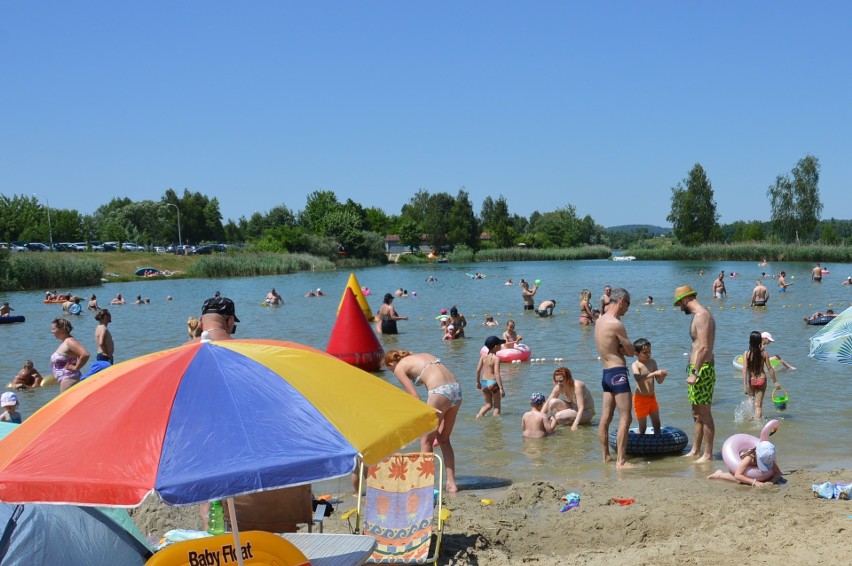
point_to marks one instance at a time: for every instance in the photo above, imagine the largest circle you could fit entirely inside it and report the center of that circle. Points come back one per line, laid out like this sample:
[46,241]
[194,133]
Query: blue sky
[603,105]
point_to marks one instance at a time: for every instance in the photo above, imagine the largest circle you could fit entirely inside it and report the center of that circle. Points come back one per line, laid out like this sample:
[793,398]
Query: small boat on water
[12,319]
[623,258]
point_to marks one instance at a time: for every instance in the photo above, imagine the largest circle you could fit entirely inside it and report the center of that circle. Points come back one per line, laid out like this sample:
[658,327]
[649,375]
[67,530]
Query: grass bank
[61,270]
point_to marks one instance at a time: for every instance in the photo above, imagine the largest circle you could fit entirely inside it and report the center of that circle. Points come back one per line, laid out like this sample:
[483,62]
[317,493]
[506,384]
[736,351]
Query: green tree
[22,218]
[795,202]
[464,227]
[377,221]
[828,234]
[557,229]
[436,222]
[496,220]
[693,213]
[409,234]
[748,231]
[319,204]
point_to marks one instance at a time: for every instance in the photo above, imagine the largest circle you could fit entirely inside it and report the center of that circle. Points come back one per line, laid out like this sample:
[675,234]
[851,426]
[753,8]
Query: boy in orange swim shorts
[645,373]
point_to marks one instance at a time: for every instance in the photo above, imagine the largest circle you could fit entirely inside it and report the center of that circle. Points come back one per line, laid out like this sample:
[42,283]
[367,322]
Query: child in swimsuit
[646,374]
[488,377]
[510,337]
[10,412]
[534,423]
[756,365]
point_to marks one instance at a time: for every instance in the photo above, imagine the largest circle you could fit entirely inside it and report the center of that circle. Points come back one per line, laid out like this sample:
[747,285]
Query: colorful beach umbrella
[207,421]
[834,341]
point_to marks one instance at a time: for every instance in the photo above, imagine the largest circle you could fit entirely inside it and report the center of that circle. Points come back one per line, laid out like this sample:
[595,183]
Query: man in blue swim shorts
[613,347]
[701,378]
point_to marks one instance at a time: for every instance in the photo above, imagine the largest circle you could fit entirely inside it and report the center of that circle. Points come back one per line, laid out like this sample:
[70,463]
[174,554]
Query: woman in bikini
[586,317]
[756,365]
[445,396]
[577,407]
[69,357]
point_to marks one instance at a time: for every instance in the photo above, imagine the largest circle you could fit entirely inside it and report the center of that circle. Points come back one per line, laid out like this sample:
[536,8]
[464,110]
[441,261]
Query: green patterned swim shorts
[701,393]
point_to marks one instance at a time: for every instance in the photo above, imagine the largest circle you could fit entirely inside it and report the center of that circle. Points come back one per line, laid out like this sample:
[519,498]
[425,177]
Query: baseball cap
[8,399]
[765,455]
[219,305]
[537,398]
[492,341]
[767,335]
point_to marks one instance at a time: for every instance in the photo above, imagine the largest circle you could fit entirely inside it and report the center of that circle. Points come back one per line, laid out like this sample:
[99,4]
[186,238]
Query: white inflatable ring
[738,442]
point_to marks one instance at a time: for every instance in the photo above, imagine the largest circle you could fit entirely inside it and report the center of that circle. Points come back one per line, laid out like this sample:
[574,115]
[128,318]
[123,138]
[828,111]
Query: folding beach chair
[277,511]
[403,508]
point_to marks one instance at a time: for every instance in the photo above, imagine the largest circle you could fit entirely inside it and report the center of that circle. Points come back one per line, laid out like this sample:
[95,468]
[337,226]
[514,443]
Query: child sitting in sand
[535,424]
[645,373]
[488,377]
[27,377]
[9,403]
[761,457]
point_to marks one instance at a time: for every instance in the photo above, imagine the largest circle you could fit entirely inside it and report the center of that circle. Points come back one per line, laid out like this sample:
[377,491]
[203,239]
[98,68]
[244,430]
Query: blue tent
[68,534]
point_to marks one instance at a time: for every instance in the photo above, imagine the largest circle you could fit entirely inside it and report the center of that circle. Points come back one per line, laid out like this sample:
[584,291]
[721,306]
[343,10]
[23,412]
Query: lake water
[811,433]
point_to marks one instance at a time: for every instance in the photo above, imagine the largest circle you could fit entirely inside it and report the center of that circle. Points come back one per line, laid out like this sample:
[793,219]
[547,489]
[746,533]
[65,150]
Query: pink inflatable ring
[520,352]
[738,442]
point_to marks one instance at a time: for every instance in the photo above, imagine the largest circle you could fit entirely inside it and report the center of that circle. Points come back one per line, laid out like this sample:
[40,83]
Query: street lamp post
[49,226]
[180,241]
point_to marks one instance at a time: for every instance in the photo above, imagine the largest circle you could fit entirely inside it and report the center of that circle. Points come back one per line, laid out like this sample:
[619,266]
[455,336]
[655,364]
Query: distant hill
[653,230]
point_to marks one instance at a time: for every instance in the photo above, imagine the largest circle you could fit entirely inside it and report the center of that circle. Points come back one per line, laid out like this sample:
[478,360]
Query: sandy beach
[673,521]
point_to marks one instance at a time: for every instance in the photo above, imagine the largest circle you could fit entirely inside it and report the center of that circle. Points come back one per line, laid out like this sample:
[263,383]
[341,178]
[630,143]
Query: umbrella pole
[235,530]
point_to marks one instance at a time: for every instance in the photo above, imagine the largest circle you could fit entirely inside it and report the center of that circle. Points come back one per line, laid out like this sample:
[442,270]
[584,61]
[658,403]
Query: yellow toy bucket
[780,398]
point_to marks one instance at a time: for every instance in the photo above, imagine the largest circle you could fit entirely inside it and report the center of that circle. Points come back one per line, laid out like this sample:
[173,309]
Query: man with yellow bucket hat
[701,378]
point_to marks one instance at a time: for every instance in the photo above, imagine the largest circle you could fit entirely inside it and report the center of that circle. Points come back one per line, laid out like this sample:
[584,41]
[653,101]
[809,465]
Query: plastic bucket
[780,398]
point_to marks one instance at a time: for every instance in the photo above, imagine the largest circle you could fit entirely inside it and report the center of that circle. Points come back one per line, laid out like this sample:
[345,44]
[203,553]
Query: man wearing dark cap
[219,318]
[701,378]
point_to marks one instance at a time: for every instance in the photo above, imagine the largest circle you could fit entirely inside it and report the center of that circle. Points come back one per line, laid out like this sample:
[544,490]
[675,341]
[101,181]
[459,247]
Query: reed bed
[545,254]
[247,265]
[754,251]
[48,271]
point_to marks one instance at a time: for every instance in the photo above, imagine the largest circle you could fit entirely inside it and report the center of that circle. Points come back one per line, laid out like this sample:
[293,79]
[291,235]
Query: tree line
[328,227]
[794,202]
[325,227]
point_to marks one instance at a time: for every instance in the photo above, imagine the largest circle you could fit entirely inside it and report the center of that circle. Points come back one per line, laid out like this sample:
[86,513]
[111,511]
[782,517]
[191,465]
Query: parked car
[17,247]
[110,246]
[159,250]
[37,247]
[79,246]
[131,247]
[209,249]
